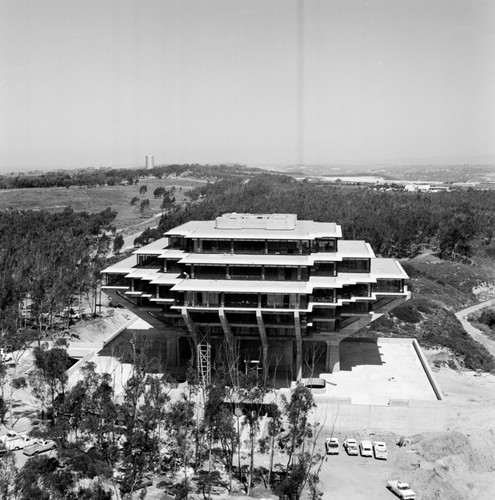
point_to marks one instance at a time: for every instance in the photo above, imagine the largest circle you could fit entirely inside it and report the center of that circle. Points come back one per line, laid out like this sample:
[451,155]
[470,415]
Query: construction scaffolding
[204,363]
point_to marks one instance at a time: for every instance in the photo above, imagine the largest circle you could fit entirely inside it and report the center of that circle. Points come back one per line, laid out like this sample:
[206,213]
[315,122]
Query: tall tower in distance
[150,162]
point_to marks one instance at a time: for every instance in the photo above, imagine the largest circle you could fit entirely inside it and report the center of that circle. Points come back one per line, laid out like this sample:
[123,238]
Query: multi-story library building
[278,292]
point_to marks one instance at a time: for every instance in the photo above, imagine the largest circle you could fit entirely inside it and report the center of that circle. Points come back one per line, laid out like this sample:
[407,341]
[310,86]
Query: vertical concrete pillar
[191,327]
[297,324]
[172,353]
[332,364]
[264,340]
[229,337]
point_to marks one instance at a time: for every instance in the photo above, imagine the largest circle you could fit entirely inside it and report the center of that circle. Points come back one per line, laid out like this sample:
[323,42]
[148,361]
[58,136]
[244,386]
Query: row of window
[260,272]
[287,247]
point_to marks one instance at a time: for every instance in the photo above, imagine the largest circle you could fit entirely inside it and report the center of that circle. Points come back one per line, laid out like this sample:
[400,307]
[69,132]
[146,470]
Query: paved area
[373,373]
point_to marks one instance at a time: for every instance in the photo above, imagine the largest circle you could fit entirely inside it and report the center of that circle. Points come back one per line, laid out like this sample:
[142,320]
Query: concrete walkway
[477,335]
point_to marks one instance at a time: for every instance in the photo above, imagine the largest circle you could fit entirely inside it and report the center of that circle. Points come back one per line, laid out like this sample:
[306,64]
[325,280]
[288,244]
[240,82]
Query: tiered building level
[271,288]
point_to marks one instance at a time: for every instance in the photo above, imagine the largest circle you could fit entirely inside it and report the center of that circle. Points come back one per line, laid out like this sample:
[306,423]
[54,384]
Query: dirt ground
[456,464]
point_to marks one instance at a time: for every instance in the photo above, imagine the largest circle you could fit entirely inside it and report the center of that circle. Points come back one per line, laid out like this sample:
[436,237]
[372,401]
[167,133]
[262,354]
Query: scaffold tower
[204,363]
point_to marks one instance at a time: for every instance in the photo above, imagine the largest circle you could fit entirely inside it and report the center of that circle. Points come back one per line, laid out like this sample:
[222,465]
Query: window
[354,266]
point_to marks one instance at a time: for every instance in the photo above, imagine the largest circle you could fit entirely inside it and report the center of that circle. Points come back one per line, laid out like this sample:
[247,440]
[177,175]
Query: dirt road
[474,332]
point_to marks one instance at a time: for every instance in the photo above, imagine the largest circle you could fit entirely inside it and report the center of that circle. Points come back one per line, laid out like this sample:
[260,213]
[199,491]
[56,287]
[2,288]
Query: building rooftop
[300,230]
[156,247]
[355,249]
[124,266]
[388,269]
[373,373]
[143,273]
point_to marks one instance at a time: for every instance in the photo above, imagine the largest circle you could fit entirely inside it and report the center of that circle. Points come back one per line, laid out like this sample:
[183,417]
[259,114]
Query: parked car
[39,447]
[332,446]
[13,441]
[351,446]
[380,450]
[401,489]
[366,449]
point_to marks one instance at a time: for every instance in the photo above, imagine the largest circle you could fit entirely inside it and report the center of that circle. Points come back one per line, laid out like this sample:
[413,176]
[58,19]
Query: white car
[332,446]
[401,489]
[366,449]
[39,447]
[351,446]
[13,441]
[380,450]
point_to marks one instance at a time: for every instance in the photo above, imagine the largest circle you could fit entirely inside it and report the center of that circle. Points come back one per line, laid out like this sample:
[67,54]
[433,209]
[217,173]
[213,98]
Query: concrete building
[150,162]
[278,292]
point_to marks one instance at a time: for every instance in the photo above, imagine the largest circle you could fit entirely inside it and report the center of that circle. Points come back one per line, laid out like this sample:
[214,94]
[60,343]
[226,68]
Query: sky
[261,82]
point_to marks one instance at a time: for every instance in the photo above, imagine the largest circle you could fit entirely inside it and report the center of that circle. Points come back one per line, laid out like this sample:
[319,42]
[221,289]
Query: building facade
[272,289]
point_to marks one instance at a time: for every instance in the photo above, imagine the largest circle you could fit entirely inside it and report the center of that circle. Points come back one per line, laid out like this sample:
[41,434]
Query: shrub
[407,313]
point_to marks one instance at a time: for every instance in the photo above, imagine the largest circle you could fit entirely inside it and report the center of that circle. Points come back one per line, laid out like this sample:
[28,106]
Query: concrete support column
[332,364]
[172,359]
[264,339]
[297,324]
[191,327]
[227,331]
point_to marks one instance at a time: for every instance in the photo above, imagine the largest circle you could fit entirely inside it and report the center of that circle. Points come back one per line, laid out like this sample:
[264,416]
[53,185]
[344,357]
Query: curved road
[474,332]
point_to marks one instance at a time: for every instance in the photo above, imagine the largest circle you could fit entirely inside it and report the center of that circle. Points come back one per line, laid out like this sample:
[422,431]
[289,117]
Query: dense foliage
[396,224]
[438,289]
[45,260]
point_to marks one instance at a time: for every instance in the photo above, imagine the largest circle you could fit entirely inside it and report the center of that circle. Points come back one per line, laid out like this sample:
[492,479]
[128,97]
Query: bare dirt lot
[457,464]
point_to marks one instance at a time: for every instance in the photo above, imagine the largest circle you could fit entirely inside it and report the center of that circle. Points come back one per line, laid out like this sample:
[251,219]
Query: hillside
[440,288]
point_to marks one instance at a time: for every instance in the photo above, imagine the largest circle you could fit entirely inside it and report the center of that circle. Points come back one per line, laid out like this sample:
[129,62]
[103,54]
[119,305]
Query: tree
[252,391]
[159,192]
[297,414]
[141,414]
[144,207]
[143,189]
[218,425]
[8,473]
[167,201]
[134,200]
[49,377]
[118,243]
[274,429]
[301,453]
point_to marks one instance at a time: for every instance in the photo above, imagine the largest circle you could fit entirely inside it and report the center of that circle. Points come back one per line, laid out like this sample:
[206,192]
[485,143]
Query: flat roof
[246,259]
[172,253]
[242,286]
[303,230]
[355,249]
[373,373]
[340,280]
[166,279]
[387,269]
[156,247]
[142,273]
[124,266]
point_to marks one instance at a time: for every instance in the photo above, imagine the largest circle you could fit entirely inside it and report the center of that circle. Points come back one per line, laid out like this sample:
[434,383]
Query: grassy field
[97,199]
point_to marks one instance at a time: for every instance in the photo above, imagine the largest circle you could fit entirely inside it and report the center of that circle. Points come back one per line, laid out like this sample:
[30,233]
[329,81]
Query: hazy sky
[103,83]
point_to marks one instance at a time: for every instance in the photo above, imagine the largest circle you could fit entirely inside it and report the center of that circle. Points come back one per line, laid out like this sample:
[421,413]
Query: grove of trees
[396,224]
